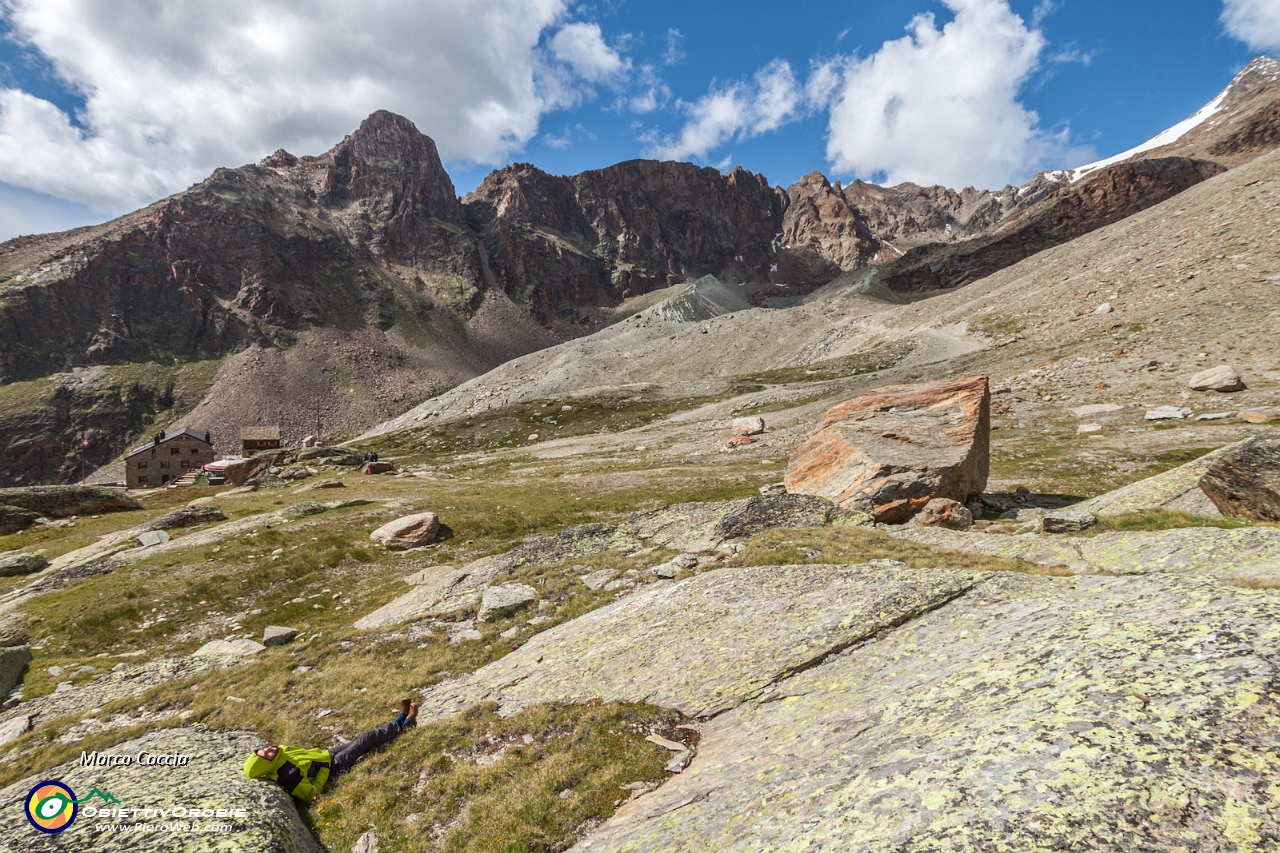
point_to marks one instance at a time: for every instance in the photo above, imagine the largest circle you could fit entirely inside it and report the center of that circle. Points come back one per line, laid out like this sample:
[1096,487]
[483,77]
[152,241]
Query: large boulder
[409,531]
[21,564]
[62,501]
[15,518]
[211,781]
[1246,482]
[891,451]
[1223,378]
[13,662]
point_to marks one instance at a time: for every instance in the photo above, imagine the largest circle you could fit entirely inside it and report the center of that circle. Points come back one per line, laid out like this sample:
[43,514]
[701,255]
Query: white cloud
[173,90]
[1254,22]
[941,105]
[739,110]
[675,49]
[582,47]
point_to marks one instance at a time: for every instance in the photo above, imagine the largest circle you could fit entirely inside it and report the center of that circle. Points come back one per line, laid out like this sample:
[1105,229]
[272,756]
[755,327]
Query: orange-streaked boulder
[891,451]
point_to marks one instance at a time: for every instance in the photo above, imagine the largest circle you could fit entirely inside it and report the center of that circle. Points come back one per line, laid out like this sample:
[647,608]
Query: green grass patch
[1163,519]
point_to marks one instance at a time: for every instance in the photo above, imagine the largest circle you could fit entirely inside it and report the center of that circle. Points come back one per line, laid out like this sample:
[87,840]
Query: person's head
[262,761]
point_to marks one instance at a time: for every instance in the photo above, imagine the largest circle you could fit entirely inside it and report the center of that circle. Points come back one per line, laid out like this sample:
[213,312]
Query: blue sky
[107,107]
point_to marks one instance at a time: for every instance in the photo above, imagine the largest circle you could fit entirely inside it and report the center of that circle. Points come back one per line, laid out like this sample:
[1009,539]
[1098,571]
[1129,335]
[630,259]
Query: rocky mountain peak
[1262,73]
[392,164]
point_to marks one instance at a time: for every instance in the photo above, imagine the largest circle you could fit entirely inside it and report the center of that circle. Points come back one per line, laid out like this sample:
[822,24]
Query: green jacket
[301,772]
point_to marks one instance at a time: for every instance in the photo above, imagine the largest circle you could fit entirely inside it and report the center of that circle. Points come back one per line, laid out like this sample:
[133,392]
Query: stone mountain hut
[167,458]
[257,439]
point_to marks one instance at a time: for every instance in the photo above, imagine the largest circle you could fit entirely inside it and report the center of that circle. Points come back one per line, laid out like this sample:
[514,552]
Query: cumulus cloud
[582,47]
[1254,22]
[172,90]
[940,105]
[739,110]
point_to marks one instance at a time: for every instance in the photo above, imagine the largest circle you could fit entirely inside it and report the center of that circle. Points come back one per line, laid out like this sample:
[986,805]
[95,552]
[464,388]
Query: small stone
[1104,308]
[242,648]
[679,762]
[741,441]
[685,561]
[63,687]
[15,728]
[666,571]
[1216,416]
[278,635]
[946,513]
[748,426]
[1067,521]
[152,538]
[367,843]
[1264,415]
[298,670]
[504,599]
[466,635]
[533,436]
[55,671]
[1167,413]
[1222,378]
[566,794]
[1095,409]
[1086,429]
[774,489]
[596,580]
[674,746]
[511,633]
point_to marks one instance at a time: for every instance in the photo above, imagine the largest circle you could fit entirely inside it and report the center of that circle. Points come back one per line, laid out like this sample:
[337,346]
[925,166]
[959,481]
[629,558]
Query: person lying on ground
[303,772]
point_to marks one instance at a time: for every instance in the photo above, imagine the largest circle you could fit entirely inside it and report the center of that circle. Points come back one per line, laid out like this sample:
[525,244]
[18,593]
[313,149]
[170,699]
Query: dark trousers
[342,756]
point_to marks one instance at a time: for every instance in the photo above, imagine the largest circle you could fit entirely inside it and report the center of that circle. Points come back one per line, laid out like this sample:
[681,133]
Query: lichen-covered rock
[62,501]
[1068,521]
[944,512]
[1245,482]
[21,564]
[704,644]
[186,516]
[891,451]
[13,661]
[703,526]
[278,635]
[1251,553]
[1177,489]
[117,684]
[504,599]
[261,815]
[410,531]
[1030,714]
[748,426]
[230,647]
[15,518]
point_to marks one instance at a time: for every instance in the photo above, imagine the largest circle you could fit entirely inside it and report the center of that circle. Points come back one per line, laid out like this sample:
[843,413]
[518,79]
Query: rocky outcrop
[186,516]
[1073,210]
[1245,482]
[13,663]
[665,645]
[891,451]
[569,246]
[260,813]
[62,501]
[1177,489]
[980,719]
